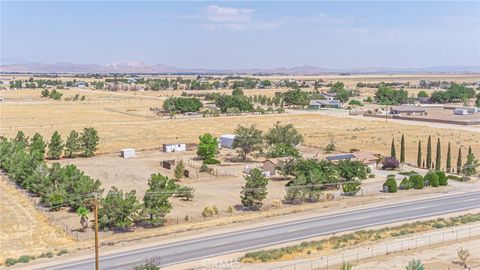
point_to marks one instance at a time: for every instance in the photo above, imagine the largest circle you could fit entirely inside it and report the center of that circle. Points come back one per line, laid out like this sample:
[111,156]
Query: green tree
[55,147]
[449,159]
[402,149]
[442,178]
[432,179]
[247,140]
[72,144]
[45,93]
[83,212]
[255,189]
[438,156]
[350,170]
[391,184]
[422,94]
[419,154]
[37,145]
[118,210]
[393,152]
[237,92]
[156,199]
[429,152]
[182,104]
[207,148]
[470,167]
[417,181]
[415,265]
[89,141]
[21,140]
[178,171]
[282,141]
[459,161]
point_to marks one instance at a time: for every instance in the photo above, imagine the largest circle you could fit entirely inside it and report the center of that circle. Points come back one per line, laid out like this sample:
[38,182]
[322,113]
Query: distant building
[174,147]
[226,140]
[127,152]
[408,110]
[466,110]
[367,158]
[323,103]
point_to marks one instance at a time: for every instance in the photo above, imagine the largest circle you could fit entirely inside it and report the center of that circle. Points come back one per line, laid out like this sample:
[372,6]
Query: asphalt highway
[277,233]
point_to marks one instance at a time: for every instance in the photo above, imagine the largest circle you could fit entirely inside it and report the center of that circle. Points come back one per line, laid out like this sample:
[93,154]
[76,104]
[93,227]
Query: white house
[127,152]
[226,140]
[174,147]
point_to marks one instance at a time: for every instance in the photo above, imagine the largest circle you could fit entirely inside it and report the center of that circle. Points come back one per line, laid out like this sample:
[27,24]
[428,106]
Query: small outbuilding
[408,110]
[226,140]
[174,147]
[466,110]
[271,165]
[127,152]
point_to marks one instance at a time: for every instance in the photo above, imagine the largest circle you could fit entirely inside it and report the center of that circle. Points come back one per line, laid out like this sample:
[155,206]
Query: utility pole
[95,210]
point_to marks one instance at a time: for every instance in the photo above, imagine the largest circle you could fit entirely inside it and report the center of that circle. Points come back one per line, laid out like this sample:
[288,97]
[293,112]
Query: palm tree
[83,214]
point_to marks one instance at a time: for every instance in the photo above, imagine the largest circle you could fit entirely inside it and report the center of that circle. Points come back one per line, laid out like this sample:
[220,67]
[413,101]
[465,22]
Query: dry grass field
[25,231]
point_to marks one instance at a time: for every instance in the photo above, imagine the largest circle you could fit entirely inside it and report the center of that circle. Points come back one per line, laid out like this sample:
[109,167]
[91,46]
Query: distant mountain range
[143,68]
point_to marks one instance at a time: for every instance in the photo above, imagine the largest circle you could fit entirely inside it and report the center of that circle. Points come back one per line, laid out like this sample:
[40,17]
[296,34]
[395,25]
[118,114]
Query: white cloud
[235,19]
[221,14]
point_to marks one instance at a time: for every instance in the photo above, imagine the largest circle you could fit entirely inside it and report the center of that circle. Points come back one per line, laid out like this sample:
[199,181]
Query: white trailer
[127,152]
[174,147]
[226,140]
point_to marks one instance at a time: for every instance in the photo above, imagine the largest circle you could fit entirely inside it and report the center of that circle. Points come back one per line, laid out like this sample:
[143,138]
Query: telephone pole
[95,210]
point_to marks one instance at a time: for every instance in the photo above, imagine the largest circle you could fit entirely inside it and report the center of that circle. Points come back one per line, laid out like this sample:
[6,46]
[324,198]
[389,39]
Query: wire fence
[353,256]
[52,219]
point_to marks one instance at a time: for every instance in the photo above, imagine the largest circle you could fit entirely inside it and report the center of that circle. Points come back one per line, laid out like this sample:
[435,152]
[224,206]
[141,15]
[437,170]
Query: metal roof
[340,157]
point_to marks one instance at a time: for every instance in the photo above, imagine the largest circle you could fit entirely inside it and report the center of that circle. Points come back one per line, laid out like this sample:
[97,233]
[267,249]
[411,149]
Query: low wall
[443,121]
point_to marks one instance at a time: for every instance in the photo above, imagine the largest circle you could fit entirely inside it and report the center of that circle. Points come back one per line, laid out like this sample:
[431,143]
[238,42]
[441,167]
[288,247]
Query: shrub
[417,181]
[351,188]
[61,252]
[49,254]
[10,261]
[432,179]
[24,259]
[185,192]
[391,184]
[204,168]
[210,211]
[406,184]
[442,178]
[211,161]
[372,175]
[390,163]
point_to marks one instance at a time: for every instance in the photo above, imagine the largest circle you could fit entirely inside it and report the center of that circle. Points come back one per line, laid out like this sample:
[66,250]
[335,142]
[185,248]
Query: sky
[248,34]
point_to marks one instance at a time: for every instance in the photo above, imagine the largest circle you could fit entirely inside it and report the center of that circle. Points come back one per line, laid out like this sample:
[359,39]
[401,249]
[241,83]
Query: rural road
[250,239]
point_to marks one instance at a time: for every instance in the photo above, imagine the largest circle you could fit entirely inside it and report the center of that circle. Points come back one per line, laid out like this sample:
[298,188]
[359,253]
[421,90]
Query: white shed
[127,152]
[174,147]
[226,140]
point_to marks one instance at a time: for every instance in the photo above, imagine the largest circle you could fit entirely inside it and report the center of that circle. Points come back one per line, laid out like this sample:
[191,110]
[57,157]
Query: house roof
[339,157]
[227,136]
[365,156]
[323,102]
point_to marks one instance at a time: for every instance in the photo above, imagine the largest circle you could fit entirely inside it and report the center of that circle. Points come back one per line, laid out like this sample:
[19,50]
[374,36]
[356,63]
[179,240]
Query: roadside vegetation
[351,239]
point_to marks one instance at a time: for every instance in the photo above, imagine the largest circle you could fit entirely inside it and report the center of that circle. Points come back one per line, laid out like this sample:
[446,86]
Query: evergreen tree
[37,145]
[178,171]
[429,152]
[55,147]
[438,157]
[402,149]
[419,154]
[89,141]
[449,159]
[393,152]
[471,165]
[72,144]
[156,199]
[469,150]
[255,189]
[459,161]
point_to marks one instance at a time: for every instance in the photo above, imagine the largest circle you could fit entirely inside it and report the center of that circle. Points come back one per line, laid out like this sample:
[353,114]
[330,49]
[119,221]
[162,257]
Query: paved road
[248,239]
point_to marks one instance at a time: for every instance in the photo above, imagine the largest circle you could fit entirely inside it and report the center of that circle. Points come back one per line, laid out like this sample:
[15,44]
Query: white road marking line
[420,208]
[470,200]
[296,230]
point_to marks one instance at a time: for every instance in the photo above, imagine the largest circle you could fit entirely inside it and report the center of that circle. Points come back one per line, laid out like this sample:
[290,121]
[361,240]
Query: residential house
[320,103]
[408,110]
